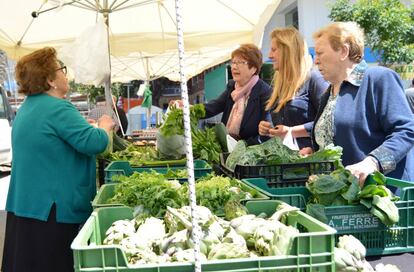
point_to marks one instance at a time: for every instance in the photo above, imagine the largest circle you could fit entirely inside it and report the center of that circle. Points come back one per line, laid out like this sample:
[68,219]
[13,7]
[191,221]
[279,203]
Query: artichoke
[186,256]
[228,251]
[119,230]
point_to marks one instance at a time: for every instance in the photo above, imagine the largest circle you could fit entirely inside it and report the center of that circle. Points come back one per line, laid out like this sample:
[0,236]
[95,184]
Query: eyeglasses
[64,69]
[238,62]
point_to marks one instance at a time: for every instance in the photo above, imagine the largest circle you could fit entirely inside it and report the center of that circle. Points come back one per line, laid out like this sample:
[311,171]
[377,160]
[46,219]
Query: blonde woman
[297,89]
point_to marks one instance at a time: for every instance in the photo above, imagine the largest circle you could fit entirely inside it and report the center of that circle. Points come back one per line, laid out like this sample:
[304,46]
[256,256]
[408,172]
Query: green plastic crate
[201,169]
[107,191]
[356,219]
[278,175]
[312,251]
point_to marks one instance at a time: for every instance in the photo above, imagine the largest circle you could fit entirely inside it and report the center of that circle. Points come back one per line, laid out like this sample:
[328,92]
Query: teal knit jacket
[54,150]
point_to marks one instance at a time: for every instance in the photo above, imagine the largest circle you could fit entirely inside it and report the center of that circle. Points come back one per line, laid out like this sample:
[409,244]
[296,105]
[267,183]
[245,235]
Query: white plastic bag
[231,143]
[88,55]
[290,141]
[170,147]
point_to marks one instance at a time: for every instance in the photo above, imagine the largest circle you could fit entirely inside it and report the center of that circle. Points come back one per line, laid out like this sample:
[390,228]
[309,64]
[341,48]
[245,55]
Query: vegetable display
[342,188]
[152,240]
[274,152]
[148,191]
[174,121]
[170,139]
[350,257]
[151,193]
[135,155]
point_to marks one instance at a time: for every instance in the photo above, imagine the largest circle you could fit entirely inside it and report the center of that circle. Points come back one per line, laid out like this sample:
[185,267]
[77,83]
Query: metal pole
[188,141]
[147,83]
[129,104]
[108,96]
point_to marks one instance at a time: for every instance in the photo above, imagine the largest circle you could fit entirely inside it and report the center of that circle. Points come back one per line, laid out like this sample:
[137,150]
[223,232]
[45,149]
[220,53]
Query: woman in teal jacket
[53,169]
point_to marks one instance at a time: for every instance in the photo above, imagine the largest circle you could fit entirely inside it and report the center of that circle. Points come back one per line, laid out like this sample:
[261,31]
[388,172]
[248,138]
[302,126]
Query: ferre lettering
[354,221]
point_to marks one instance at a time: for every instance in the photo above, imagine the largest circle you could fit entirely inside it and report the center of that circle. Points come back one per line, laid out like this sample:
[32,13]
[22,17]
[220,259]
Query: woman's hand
[178,103]
[278,131]
[306,151]
[92,122]
[363,168]
[264,127]
[106,123]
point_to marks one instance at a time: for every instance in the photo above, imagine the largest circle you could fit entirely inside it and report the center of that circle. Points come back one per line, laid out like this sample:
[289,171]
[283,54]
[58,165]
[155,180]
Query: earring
[54,87]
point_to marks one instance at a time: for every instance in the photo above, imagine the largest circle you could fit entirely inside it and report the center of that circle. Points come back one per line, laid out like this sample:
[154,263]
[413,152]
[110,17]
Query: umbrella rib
[128,66]
[88,5]
[30,24]
[160,70]
[5,35]
[168,13]
[143,3]
[113,4]
[162,26]
[235,12]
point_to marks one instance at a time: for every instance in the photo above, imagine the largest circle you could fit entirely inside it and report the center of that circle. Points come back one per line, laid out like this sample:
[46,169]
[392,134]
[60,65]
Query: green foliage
[93,91]
[274,152]
[342,188]
[149,189]
[135,155]
[204,142]
[154,192]
[388,26]
[214,192]
[174,121]
[205,145]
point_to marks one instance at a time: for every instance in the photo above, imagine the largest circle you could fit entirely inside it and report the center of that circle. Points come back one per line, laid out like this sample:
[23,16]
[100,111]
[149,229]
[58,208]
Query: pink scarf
[240,96]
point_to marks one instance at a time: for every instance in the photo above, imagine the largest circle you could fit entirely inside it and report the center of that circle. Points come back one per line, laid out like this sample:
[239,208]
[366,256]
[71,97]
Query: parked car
[6,119]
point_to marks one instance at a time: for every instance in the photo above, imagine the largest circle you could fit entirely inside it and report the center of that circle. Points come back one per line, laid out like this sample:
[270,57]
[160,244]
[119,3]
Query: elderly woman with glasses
[244,100]
[364,110]
[53,169]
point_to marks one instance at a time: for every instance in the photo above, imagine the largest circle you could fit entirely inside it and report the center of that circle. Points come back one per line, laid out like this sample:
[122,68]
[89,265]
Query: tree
[93,91]
[388,26]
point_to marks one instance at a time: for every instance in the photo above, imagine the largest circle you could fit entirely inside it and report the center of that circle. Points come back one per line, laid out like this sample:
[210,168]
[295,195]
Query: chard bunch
[341,188]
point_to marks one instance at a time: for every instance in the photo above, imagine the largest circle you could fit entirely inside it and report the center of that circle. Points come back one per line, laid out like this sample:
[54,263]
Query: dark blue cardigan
[253,114]
[302,110]
[374,119]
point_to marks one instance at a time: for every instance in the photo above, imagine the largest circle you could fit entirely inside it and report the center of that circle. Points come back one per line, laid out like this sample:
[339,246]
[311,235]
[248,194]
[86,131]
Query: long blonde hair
[295,64]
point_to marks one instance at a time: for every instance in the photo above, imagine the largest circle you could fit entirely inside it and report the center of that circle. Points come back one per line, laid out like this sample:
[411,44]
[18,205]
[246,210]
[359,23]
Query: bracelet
[375,161]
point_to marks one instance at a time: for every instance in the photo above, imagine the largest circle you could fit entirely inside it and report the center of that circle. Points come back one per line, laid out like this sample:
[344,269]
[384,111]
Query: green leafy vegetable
[274,151]
[174,121]
[342,188]
[206,145]
[149,189]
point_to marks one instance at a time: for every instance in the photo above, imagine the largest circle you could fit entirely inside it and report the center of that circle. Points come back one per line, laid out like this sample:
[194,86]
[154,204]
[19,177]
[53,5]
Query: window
[292,18]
